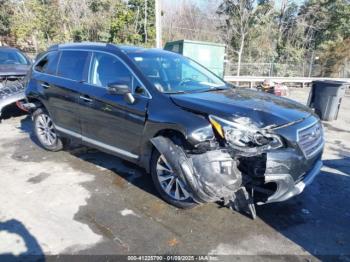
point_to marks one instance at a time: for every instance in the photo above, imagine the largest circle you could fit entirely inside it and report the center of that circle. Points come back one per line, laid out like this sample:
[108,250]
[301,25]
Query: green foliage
[333,56]
[329,18]
[35,22]
[288,33]
[138,7]
[5,17]
[39,23]
[122,28]
[263,31]
[128,23]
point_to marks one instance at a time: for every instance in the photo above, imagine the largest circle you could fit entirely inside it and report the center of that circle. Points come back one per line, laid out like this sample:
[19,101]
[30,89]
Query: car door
[63,91]
[108,120]
[43,77]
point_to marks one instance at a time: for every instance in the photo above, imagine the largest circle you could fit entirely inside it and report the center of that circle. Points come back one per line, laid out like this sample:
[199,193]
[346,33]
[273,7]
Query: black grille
[311,139]
[10,85]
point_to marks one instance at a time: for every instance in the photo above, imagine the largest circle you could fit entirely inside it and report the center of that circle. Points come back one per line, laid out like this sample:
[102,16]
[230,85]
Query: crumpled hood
[264,109]
[14,70]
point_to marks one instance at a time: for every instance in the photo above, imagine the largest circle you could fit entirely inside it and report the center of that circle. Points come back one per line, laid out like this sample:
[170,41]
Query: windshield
[12,57]
[173,73]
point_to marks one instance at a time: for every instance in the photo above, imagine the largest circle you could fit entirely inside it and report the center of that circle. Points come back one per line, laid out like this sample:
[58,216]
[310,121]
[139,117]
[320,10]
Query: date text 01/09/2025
[173,258]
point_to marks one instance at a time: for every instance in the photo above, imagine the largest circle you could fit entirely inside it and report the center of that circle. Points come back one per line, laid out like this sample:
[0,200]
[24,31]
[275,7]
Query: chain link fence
[284,70]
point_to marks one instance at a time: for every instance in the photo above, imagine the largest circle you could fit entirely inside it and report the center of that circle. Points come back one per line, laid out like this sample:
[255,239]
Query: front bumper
[10,100]
[286,186]
[11,92]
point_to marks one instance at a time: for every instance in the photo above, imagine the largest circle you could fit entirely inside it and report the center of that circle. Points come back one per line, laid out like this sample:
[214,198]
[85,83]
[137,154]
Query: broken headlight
[243,134]
[203,134]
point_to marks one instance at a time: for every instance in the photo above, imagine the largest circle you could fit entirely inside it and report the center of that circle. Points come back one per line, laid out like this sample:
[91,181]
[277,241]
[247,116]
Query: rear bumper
[286,186]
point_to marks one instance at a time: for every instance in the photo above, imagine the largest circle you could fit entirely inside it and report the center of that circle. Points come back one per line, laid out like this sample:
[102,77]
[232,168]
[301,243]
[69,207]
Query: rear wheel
[45,131]
[170,185]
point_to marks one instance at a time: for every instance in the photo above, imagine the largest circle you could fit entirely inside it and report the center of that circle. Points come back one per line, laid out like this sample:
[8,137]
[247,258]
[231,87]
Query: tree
[254,31]
[335,59]
[328,22]
[35,23]
[261,41]
[122,26]
[144,20]
[133,23]
[40,23]
[188,20]
[239,18]
[5,19]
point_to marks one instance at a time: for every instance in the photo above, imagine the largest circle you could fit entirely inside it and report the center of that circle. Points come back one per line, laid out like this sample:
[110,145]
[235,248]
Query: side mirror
[121,89]
[118,89]
[129,98]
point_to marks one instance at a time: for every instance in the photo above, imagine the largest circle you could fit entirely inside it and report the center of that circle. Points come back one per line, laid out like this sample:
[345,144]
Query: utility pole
[158,24]
[145,23]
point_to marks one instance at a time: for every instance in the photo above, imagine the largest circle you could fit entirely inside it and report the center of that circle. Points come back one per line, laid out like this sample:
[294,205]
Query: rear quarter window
[73,64]
[48,64]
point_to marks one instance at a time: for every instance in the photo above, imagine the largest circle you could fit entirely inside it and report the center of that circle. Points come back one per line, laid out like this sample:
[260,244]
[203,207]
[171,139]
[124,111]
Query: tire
[45,132]
[182,201]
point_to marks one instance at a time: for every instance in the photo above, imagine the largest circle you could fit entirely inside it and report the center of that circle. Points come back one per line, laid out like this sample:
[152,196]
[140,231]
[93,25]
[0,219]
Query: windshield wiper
[196,91]
[175,92]
[219,88]
[214,89]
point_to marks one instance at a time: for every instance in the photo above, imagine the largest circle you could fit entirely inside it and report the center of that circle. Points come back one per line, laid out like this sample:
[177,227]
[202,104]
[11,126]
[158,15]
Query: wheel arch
[177,136]
[36,101]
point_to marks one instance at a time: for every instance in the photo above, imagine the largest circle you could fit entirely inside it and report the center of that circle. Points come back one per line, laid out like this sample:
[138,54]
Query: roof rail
[53,47]
[112,46]
[108,45]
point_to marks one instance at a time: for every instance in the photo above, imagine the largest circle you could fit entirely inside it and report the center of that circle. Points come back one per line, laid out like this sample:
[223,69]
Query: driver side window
[107,69]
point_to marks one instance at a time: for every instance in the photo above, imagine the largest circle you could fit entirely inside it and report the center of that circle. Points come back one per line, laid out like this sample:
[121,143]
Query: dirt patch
[120,182]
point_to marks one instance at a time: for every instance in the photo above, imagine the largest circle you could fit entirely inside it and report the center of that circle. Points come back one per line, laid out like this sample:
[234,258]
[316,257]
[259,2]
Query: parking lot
[81,201]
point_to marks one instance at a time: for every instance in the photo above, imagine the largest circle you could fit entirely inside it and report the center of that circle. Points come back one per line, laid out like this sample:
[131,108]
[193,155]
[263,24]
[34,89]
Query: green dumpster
[210,55]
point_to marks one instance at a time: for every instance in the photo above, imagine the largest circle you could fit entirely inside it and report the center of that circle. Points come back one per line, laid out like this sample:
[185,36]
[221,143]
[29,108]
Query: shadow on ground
[126,172]
[33,249]
[11,111]
[319,219]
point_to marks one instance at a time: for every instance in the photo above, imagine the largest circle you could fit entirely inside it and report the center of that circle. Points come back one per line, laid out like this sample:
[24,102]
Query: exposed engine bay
[238,166]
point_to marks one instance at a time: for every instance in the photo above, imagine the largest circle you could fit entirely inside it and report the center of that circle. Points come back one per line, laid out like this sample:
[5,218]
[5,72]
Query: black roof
[104,46]
[9,48]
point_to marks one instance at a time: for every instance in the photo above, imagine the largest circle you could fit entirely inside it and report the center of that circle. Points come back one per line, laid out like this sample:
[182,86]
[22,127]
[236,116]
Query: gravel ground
[81,201]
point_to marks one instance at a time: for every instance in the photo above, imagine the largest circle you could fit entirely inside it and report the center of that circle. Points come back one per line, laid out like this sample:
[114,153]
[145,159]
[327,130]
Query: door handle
[45,85]
[86,99]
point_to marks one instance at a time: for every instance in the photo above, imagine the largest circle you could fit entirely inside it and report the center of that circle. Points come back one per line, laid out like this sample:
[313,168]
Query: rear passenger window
[72,64]
[48,64]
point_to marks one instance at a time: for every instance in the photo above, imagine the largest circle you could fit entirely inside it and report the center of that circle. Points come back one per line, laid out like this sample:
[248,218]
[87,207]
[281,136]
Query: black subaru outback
[201,139]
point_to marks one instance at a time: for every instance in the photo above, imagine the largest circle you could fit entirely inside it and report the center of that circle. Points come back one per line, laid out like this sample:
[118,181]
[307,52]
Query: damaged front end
[241,164]
[211,176]
[11,90]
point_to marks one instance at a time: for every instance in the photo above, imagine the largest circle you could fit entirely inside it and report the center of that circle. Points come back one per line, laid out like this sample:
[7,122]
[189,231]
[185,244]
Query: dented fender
[210,176]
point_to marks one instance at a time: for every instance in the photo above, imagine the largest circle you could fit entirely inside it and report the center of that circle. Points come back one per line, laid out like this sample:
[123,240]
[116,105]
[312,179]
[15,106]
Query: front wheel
[45,131]
[169,184]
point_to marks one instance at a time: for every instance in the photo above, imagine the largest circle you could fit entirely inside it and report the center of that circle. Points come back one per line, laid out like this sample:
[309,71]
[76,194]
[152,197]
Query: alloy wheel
[45,130]
[170,182]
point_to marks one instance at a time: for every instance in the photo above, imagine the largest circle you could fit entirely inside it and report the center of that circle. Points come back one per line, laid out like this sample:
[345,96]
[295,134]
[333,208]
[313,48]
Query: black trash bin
[325,97]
